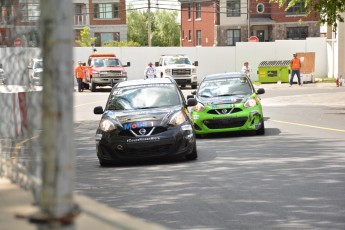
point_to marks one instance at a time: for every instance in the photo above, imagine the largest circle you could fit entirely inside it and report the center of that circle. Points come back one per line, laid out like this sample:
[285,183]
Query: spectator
[295,66]
[80,74]
[150,71]
[246,69]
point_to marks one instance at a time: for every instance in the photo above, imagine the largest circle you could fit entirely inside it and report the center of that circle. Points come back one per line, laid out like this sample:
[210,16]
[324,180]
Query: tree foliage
[86,39]
[121,44]
[329,10]
[165,30]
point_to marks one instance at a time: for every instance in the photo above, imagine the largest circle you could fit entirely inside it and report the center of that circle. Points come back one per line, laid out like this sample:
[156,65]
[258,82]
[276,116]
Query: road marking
[310,126]
[88,103]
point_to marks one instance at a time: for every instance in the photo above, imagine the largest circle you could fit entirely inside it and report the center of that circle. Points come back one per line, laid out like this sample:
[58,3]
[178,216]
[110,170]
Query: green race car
[227,102]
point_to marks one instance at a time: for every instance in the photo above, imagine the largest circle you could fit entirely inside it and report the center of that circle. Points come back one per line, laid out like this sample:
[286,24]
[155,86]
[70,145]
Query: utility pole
[149,23]
[248,15]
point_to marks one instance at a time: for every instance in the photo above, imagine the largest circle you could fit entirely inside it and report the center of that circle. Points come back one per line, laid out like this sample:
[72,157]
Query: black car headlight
[177,119]
[106,125]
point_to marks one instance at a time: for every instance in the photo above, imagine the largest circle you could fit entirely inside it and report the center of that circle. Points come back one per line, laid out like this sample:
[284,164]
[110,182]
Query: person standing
[150,71]
[295,66]
[246,69]
[80,75]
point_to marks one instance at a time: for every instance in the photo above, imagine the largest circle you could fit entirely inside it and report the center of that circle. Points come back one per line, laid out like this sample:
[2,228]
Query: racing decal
[136,125]
[222,106]
[143,139]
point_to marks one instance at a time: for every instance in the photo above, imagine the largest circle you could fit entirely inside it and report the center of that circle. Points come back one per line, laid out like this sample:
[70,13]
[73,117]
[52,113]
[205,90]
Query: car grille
[177,72]
[224,111]
[225,123]
[136,132]
[149,151]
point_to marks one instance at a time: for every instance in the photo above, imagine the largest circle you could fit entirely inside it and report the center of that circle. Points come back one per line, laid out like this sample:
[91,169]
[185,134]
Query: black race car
[145,119]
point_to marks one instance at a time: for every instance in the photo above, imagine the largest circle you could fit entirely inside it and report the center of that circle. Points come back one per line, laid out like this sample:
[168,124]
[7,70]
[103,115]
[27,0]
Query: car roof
[224,75]
[145,82]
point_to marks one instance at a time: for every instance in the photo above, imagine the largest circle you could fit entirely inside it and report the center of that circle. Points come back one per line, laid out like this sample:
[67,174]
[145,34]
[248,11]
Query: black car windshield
[144,97]
[225,87]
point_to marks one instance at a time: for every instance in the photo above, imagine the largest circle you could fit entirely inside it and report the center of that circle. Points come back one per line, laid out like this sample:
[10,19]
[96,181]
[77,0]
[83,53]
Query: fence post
[58,155]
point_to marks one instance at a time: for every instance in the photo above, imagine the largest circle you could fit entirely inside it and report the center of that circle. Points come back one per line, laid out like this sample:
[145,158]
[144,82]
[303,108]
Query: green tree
[166,30]
[121,44]
[137,26]
[86,39]
[330,10]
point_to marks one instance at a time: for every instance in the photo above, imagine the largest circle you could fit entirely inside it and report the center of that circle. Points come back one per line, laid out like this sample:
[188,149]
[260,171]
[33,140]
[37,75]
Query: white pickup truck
[179,67]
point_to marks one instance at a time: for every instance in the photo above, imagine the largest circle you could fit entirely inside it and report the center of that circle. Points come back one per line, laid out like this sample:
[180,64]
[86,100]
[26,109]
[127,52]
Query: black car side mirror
[192,102]
[98,110]
[190,96]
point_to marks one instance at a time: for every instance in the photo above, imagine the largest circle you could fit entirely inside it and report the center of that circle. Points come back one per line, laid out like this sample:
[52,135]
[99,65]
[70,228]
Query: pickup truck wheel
[93,86]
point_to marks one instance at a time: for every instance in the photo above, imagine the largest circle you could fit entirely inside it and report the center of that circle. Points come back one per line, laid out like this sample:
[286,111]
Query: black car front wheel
[193,155]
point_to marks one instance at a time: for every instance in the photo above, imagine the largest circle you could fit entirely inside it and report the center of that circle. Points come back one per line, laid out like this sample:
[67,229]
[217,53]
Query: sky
[155,4]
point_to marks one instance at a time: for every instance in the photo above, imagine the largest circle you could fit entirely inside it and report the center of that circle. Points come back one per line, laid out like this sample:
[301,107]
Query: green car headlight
[199,107]
[251,102]
[106,125]
[177,119]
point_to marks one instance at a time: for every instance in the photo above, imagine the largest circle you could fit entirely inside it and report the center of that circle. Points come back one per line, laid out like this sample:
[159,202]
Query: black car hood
[223,100]
[142,117]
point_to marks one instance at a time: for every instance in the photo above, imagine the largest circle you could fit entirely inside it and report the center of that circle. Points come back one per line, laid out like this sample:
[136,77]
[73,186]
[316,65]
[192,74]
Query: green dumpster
[274,71]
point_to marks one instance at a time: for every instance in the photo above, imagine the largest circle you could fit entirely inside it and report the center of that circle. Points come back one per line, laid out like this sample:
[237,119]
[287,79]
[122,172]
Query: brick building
[225,22]
[19,21]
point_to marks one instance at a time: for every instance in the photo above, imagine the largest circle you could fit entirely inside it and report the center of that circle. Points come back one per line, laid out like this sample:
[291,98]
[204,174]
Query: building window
[298,9]
[189,12]
[198,37]
[297,33]
[189,35]
[260,8]
[233,36]
[106,37]
[233,8]
[30,12]
[198,11]
[106,10]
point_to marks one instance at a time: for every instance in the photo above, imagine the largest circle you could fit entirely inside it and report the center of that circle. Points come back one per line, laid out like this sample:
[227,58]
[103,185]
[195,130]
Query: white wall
[211,59]
[219,59]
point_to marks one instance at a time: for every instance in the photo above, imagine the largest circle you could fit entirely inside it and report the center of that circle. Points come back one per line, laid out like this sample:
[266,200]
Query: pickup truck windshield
[105,62]
[178,60]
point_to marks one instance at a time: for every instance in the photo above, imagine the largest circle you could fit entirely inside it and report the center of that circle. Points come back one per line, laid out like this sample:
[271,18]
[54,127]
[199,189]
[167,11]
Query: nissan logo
[142,131]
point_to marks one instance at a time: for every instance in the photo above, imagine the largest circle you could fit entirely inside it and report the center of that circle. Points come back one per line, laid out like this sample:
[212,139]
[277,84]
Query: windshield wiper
[226,94]
[148,107]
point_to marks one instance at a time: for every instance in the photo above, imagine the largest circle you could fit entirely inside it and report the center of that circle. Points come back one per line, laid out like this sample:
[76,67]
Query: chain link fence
[21,110]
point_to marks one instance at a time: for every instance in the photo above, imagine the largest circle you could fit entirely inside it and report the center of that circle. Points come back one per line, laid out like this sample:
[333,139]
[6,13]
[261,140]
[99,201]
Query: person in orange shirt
[295,66]
[80,74]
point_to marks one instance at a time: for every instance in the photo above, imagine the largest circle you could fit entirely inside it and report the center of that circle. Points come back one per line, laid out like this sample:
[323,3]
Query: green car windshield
[225,87]
[144,97]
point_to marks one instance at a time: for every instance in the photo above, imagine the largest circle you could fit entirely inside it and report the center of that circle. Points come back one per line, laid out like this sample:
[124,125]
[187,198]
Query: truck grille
[177,72]
[113,73]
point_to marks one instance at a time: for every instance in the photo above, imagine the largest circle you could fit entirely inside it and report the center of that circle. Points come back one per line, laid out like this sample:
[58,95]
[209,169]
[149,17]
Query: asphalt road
[291,178]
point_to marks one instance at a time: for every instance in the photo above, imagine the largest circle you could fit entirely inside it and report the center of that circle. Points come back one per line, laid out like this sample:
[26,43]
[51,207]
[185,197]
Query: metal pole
[248,15]
[57,208]
[149,23]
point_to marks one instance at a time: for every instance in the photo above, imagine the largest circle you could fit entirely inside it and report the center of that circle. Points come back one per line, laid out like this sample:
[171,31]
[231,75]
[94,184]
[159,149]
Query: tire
[104,163]
[261,131]
[194,86]
[183,86]
[93,86]
[193,155]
